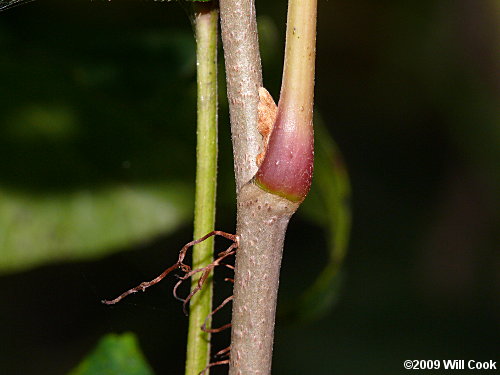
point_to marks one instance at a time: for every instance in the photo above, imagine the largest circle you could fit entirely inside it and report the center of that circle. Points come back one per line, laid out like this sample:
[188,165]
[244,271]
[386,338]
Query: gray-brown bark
[244,77]
[262,221]
[262,217]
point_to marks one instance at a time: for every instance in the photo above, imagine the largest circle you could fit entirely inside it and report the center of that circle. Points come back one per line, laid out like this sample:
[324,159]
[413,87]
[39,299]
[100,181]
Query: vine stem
[262,213]
[244,77]
[205,20]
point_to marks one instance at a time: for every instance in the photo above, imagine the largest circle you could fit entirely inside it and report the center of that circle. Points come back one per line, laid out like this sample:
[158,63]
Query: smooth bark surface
[262,216]
[244,77]
[261,230]
[262,221]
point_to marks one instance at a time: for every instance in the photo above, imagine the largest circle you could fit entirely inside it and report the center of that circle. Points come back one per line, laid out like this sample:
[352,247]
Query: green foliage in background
[87,168]
[97,151]
[115,355]
[37,229]
[90,168]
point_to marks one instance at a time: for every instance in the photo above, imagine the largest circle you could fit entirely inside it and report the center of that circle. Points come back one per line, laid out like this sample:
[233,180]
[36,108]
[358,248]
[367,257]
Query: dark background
[409,92]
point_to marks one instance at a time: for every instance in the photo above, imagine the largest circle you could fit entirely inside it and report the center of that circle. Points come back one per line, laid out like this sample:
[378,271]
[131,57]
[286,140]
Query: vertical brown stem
[263,216]
[262,221]
[244,77]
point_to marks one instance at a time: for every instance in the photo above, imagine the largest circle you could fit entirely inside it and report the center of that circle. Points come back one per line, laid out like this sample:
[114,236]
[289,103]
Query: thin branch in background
[205,19]
[9,4]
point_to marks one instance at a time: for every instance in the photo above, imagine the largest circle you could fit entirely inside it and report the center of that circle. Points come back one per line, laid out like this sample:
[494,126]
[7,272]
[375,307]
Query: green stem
[297,88]
[288,164]
[205,23]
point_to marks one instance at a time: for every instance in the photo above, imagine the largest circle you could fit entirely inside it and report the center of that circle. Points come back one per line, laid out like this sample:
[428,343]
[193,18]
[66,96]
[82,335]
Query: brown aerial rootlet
[231,250]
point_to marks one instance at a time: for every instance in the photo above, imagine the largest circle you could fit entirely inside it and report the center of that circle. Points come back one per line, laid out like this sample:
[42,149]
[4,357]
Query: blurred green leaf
[36,229]
[115,355]
[328,206]
[97,134]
